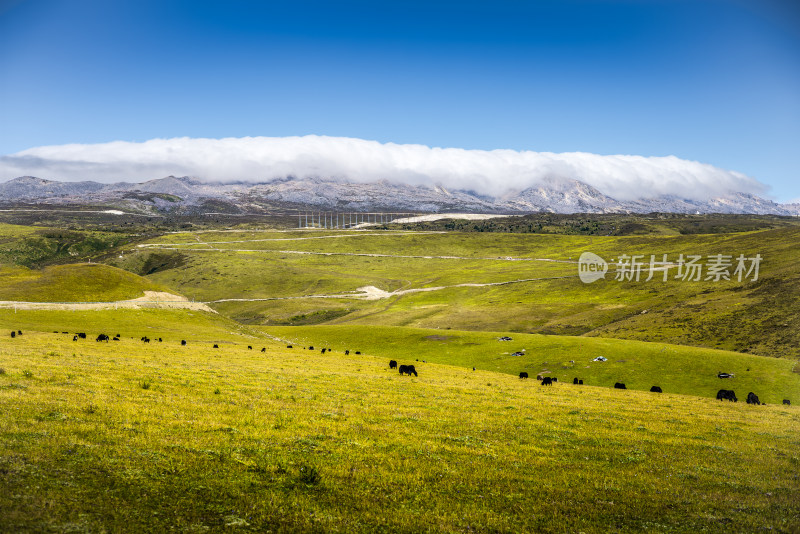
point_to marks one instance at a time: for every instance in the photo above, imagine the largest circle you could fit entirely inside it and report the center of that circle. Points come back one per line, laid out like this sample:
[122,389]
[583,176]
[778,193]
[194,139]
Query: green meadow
[280,278]
[639,365]
[127,436]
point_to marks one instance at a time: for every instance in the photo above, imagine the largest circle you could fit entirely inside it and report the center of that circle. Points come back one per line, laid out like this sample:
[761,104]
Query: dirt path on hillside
[374,293]
[151,299]
[359,254]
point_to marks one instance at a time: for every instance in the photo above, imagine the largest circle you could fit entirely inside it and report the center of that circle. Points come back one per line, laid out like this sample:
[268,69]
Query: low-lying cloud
[260,159]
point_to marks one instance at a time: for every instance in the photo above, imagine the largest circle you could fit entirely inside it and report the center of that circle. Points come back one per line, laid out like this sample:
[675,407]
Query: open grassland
[153,437]
[287,278]
[639,365]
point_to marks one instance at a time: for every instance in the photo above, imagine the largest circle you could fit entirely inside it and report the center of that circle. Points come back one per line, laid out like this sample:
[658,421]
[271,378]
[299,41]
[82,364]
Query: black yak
[727,394]
[620,385]
[787,402]
[102,337]
[408,370]
[752,398]
[547,381]
[392,364]
[523,374]
[183,342]
[656,389]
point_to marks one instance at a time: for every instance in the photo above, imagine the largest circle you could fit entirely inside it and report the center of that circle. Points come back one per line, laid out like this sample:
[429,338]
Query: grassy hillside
[83,282]
[132,437]
[639,365]
[37,246]
[610,224]
[759,316]
[170,325]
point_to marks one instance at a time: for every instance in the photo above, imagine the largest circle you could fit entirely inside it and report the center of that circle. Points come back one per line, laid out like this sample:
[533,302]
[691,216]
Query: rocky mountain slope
[190,195]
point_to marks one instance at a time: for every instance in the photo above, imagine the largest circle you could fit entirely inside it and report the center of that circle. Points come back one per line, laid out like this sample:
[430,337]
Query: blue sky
[712,81]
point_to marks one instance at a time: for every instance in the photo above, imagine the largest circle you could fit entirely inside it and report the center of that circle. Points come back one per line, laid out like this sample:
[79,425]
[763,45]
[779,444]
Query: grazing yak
[264,349]
[392,364]
[619,385]
[102,337]
[655,389]
[19,332]
[547,381]
[216,346]
[13,334]
[408,370]
[183,342]
[347,353]
[82,335]
[580,382]
[115,338]
[523,374]
[288,346]
[752,398]
[727,394]
[358,352]
[146,339]
[323,351]
[787,402]
[311,347]
[249,347]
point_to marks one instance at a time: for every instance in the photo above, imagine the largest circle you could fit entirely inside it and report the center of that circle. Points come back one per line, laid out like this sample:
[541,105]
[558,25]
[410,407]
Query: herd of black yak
[722,394]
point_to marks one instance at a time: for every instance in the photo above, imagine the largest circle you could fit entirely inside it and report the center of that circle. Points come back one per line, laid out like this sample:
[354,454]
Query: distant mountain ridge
[191,195]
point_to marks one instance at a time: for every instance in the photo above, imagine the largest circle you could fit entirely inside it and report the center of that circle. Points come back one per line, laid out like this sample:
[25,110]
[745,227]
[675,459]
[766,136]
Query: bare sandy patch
[150,299]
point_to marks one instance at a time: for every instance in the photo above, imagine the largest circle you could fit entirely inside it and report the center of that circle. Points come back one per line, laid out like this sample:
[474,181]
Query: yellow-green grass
[120,437]
[82,282]
[639,365]
[171,325]
[760,317]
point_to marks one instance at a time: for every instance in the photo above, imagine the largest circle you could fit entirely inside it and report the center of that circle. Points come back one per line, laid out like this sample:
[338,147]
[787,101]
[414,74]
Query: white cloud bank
[259,159]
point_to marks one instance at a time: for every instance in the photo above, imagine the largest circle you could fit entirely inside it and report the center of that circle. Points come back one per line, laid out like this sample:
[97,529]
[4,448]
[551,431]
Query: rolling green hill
[291,272]
[83,282]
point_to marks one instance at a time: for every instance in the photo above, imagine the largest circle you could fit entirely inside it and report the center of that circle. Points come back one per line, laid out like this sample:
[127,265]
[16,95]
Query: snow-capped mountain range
[190,195]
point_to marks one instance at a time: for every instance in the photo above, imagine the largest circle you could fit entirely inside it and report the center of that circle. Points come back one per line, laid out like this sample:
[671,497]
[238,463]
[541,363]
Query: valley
[246,427]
